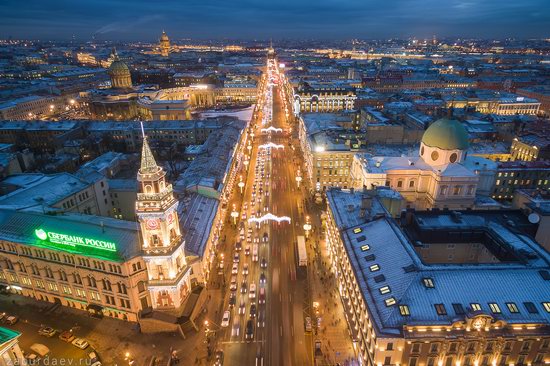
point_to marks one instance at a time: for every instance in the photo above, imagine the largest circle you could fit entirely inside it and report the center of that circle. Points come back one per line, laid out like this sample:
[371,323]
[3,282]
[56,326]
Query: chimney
[366,202]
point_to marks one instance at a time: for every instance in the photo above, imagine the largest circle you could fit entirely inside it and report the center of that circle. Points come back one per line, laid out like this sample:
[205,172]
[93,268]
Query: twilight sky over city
[144,19]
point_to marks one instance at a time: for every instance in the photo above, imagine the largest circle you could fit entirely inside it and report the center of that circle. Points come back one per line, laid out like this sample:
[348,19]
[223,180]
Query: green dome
[118,67]
[446,134]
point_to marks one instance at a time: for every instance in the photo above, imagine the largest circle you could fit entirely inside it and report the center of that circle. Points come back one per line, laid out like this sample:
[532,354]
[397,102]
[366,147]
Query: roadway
[279,335]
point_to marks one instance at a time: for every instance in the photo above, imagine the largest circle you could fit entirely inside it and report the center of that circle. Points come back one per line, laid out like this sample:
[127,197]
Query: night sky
[260,19]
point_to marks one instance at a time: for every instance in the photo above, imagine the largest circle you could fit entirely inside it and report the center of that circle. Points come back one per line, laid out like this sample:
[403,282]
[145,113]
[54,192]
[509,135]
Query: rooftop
[380,241]
[87,231]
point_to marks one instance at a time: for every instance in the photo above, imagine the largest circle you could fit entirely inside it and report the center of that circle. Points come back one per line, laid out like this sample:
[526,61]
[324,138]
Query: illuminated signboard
[74,240]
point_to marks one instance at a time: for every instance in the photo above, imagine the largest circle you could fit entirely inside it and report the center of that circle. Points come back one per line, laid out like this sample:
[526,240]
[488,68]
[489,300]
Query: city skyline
[244,19]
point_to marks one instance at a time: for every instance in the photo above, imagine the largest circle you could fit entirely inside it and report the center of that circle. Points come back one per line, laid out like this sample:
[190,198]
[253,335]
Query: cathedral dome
[164,37]
[446,134]
[118,67]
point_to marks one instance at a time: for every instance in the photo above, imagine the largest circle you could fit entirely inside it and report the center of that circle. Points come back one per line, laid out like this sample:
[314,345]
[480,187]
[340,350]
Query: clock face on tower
[152,224]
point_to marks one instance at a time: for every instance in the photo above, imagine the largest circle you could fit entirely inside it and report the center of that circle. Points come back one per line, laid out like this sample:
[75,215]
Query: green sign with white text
[74,240]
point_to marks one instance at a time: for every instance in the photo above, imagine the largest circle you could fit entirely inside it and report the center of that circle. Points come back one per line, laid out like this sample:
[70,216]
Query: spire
[148,163]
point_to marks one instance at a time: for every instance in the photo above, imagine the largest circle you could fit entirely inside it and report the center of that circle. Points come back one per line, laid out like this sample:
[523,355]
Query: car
[261,295]
[235,268]
[247,250]
[238,246]
[243,287]
[32,359]
[236,329]
[219,358]
[220,265]
[245,269]
[256,239]
[80,343]
[243,216]
[232,299]
[233,286]
[11,319]
[249,230]
[265,237]
[66,336]
[308,324]
[3,316]
[263,279]
[263,263]
[225,318]
[249,238]
[252,311]
[236,258]
[47,332]
[242,308]
[93,356]
[261,319]
[252,291]
[249,330]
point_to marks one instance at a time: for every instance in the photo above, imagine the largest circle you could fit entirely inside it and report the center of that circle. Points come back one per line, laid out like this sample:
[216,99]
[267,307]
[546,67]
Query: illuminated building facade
[498,106]
[310,97]
[422,295]
[164,44]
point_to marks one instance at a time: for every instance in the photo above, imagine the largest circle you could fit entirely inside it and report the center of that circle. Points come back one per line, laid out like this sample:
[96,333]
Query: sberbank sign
[74,240]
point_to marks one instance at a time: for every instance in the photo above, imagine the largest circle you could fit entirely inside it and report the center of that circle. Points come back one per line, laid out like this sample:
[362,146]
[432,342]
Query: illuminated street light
[241,184]
[307,226]
[234,215]
[271,144]
[298,178]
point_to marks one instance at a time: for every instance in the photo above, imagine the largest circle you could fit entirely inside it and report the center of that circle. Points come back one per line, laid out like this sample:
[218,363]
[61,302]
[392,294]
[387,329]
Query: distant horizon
[135,20]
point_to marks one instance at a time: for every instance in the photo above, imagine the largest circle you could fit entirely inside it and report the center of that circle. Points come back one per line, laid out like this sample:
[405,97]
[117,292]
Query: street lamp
[241,185]
[298,180]
[249,147]
[307,226]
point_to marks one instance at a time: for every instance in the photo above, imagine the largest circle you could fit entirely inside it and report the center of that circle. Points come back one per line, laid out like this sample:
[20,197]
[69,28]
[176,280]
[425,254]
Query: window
[443,190]
[387,360]
[495,309]
[435,155]
[415,348]
[389,347]
[404,310]
[475,307]
[365,247]
[389,302]
[440,309]
[512,307]
[453,157]
[546,306]
[456,190]
[399,184]
[412,361]
[357,230]
[411,184]
[459,309]
[434,348]
[384,290]
[531,308]
[374,268]
[428,282]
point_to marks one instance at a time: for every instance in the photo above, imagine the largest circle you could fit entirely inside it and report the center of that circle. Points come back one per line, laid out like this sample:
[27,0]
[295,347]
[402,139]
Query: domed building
[441,176]
[164,44]
[120,74]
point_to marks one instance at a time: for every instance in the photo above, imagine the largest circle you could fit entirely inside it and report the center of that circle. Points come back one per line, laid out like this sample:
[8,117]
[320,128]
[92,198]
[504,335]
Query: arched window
[148,188]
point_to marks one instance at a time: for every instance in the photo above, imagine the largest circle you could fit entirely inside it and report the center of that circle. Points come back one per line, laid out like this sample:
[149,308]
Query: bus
[302,253]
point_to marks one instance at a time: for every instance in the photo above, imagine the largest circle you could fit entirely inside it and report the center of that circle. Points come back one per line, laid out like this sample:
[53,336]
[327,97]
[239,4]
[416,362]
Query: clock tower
[162,242]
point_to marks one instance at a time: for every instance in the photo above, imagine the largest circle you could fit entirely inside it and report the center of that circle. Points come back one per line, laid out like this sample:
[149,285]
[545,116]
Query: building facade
[323,98]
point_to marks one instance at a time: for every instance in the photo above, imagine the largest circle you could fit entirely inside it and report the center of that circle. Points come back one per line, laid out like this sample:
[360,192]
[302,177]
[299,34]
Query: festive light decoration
[272,129]
[269,217]
[271,144]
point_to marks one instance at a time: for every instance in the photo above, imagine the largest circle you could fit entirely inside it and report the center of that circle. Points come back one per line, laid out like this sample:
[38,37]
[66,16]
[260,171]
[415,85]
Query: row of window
[495,308]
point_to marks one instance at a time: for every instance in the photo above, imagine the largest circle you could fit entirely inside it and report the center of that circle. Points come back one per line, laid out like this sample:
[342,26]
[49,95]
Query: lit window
[475,307]
[357,230]
[365,247]
[384,290]
[495,309]
[546,306]
[440,309]
[404,310]
[428,282]
[512,307]
[374,268]
[389,302]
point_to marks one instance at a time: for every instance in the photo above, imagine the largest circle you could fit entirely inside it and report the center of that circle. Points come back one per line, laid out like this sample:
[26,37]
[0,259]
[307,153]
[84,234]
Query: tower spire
[148,163]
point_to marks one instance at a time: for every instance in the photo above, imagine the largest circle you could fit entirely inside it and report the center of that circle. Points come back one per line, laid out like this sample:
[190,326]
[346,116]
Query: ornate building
[162,243]
[119,73]
[441,176]
[164,44]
